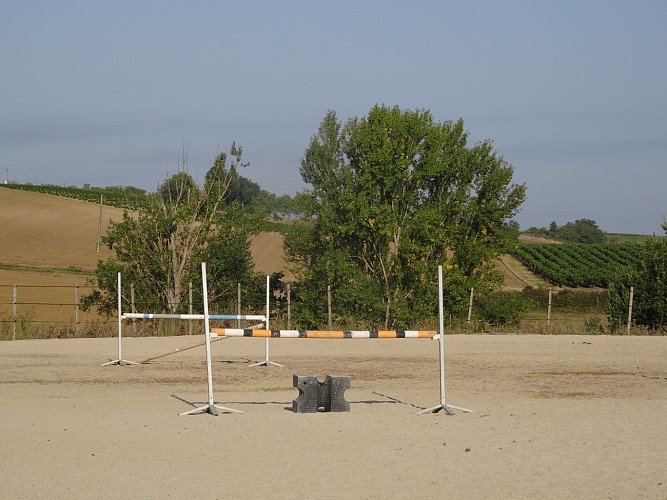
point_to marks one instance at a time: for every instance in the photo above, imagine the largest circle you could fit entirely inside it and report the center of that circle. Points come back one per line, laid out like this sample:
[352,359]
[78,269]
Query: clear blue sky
[572,93]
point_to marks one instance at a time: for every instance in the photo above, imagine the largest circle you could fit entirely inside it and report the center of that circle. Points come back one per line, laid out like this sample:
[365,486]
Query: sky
[572,93]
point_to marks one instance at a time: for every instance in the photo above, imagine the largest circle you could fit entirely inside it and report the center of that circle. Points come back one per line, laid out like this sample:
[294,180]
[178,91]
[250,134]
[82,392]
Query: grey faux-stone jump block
[313,394]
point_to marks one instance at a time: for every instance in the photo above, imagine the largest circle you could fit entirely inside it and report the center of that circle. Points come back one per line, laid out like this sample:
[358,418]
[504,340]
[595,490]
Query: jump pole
[211,407]
[323,334]
[257,317]
[120,361]
[266,361]
[448,409]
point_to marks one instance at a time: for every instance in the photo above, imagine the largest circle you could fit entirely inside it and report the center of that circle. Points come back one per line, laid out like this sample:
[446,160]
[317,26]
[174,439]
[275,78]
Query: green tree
[222,180]
[160,247]
[580,231]
[178,189]
[393,195]
[649,280]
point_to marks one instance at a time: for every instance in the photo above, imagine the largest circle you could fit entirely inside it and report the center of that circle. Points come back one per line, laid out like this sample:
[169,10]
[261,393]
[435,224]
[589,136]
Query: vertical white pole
[472,291]
[268,305]
[120,321]
[441,328]
[266,361]
[120,361]
[207,332]
[448,409]
[632,296]
[211,408]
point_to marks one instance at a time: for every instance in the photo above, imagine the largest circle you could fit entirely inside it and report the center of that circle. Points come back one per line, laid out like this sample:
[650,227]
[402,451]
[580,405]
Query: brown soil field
[46,239]
[42,232]
[554,417]
[268,255]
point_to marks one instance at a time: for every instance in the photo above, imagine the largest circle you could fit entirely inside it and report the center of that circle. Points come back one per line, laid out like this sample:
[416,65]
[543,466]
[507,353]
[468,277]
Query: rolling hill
[53,240]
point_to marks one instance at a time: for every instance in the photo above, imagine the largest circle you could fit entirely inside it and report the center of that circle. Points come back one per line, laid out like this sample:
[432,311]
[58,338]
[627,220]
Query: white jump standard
[120,361]
[127,315]
[448,409]
[266,361]
[355,334]
[211,407]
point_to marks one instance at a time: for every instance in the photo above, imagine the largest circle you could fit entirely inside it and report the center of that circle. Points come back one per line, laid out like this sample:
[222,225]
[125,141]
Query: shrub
[593,325]
[504,308]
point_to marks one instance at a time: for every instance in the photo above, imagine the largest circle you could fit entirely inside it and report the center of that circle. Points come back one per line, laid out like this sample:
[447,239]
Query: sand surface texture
[555,417]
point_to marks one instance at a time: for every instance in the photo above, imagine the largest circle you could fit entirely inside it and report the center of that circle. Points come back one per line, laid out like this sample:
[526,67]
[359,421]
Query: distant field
[51,240]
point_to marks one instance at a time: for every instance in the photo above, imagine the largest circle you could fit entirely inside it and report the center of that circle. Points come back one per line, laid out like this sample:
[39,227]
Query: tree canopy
[648,277]
[159,247]
[392,195]
[579,231]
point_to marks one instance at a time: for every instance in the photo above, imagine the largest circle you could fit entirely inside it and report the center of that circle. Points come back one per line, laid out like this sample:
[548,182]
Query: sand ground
[555,417]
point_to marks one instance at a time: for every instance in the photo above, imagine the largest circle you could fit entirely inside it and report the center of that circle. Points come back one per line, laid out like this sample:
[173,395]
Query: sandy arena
[555,417]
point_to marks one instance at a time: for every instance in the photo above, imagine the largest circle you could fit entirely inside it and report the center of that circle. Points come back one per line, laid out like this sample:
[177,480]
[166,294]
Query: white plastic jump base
[120,362]
[448,409]
[212,409]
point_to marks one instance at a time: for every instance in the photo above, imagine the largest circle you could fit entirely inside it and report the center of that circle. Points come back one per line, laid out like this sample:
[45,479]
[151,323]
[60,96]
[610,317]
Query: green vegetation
[116,196]
[159,247]
[625,238]
[582,231]
[239,190]
[579,231]
[577,264]
[648,277]
[393,195]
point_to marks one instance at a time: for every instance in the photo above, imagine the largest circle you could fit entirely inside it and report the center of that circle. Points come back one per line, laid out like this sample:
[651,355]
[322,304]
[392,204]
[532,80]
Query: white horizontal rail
[255,317]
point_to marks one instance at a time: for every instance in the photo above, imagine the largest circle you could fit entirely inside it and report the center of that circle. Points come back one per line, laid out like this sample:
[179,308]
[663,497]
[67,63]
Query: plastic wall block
[309,387]
[315,395]
[336,386]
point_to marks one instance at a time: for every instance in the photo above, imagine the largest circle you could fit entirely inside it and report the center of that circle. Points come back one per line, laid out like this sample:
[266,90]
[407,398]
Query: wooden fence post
[329,306]
[549,310]
[14,311]
[76,308]
[134,323]
[289,311]
[632,296]
[238,304]
[190,307]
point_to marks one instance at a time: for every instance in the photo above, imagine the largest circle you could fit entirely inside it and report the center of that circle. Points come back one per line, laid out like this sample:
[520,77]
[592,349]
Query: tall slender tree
[159,248]
[393,195]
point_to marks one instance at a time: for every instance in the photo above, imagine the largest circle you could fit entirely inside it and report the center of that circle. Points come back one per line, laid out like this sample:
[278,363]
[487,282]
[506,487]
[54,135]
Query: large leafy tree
[160,247]
[393,195]
[649,280]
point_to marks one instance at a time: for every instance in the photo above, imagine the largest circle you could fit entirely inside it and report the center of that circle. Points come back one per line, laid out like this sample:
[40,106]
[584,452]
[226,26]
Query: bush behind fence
[43,311]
